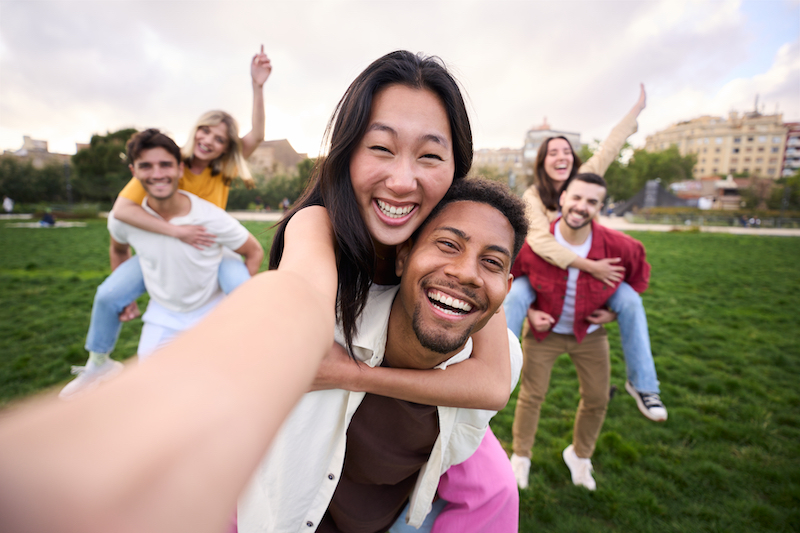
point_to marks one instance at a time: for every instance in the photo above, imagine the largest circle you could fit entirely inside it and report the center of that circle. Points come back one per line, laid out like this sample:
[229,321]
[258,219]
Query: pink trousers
[481,493]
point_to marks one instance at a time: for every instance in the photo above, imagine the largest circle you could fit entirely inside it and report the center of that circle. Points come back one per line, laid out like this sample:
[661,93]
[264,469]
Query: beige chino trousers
[591,360]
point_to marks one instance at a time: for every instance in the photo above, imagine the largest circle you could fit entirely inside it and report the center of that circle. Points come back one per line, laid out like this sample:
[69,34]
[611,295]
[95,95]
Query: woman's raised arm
[481,382]
[260,69]
[609,149]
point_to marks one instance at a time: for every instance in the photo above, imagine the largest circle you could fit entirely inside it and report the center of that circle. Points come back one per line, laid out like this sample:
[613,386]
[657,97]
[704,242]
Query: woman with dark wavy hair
[555,163]
[389,162]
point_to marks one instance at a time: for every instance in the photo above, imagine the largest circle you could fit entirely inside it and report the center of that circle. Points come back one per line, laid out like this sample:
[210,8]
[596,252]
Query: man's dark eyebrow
[459,233]
[379,126]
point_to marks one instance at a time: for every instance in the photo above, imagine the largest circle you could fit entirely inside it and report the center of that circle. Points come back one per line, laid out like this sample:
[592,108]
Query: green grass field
[725,330]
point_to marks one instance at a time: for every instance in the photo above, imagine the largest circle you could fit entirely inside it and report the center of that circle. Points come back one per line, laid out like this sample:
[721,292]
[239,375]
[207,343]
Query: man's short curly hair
[491,193]
[149,139]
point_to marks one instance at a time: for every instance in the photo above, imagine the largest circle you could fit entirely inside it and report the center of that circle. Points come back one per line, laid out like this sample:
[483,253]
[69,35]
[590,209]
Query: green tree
[101,170]
[273,191]
[625,180]
[792,196]
[26,184]
[667,165]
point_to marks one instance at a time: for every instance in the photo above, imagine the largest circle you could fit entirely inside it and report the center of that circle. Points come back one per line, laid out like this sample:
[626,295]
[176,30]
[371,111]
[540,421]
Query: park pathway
[617,223]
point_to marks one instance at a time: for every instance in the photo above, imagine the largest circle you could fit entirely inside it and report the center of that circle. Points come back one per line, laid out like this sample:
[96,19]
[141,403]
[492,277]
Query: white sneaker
[581,469]
[89,377]
[649,403]
[522,468]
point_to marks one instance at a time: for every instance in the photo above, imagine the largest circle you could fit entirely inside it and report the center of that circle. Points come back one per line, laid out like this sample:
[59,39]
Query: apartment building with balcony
[750,143]
[791,159]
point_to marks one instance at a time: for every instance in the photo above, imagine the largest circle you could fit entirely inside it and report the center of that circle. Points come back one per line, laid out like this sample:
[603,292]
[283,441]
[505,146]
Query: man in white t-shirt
[567,317]
[181,279]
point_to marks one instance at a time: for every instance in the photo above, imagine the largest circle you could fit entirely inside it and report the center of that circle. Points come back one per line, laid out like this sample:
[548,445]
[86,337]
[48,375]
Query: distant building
[751,143]
[506,161]
[537,135]
[712,193]
[791,158]
[271,158]
[37,153]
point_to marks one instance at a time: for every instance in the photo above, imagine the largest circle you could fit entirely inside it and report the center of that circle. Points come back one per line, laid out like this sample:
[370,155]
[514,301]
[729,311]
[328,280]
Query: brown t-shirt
[388,442]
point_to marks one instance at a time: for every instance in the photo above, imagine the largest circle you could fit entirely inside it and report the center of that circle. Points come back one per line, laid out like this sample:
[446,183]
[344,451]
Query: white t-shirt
[566,324]
[177,275]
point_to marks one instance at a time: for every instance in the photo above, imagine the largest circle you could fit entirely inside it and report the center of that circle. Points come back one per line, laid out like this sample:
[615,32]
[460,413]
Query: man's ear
[403,251]
[510,281]
[561,198]
[130,166]
[180,169]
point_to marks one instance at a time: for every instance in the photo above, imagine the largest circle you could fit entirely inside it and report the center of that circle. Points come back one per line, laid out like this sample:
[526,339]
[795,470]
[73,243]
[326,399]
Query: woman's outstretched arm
[168,445]
[260,69]
[480,382]
[134,214]
[609,149]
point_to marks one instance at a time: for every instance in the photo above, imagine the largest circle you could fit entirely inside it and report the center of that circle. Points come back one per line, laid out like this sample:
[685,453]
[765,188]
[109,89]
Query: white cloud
[779,85]
[71,69]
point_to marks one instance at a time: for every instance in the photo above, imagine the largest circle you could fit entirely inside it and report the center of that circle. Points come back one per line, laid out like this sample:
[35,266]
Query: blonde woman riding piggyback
[214,155]
[555,162]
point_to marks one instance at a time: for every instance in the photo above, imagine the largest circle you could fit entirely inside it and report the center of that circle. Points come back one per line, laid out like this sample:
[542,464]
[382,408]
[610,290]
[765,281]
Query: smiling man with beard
[349,461]
[567,317]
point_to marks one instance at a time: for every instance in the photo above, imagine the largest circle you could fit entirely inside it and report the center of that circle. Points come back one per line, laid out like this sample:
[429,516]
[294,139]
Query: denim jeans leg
[232,273]
[635,336]
[517,302]
[122,287]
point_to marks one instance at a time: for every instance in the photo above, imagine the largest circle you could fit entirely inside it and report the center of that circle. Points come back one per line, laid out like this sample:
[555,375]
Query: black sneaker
[649,403]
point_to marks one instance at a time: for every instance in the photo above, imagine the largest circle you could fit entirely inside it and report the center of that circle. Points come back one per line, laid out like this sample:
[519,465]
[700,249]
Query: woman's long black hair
[330,184]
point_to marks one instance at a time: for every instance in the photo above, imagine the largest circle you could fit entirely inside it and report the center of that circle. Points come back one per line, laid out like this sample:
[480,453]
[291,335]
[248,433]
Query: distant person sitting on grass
[181,279]
[8,204]
[47,219]
[569,309]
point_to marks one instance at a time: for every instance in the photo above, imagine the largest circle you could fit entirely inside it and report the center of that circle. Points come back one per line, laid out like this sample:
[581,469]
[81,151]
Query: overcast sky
[70,69]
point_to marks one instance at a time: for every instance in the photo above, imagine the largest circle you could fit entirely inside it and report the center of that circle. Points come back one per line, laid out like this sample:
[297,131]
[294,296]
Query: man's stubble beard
[436,341]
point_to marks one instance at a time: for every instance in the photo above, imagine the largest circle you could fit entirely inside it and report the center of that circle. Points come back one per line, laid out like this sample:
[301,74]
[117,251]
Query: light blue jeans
[400,525]
[125,285]
[631,318]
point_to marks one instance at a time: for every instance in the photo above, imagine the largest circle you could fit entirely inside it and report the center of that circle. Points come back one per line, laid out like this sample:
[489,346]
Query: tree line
[98,172]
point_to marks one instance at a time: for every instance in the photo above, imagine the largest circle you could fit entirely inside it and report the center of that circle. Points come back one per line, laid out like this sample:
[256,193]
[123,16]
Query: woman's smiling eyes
[383,149]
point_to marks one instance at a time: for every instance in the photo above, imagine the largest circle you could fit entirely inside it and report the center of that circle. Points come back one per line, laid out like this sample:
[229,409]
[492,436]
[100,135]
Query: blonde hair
[232,162]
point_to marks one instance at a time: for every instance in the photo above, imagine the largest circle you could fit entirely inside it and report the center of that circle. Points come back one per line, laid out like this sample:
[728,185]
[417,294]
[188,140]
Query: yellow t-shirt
[204,185]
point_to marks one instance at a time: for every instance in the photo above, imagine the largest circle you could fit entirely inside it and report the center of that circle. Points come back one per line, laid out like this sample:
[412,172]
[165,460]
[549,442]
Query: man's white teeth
[449,301]
[394,212]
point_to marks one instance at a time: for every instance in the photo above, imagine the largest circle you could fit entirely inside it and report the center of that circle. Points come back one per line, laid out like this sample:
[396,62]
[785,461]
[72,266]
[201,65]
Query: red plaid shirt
[550,282]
